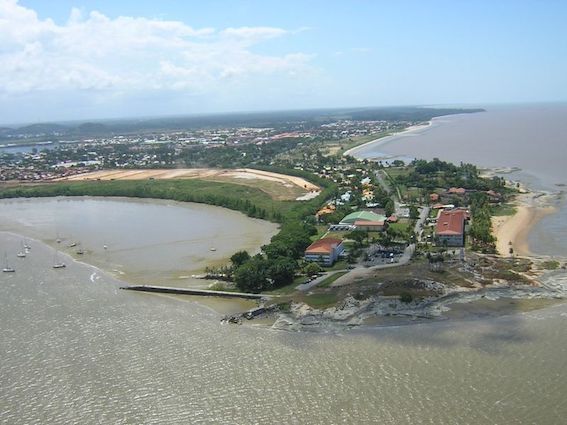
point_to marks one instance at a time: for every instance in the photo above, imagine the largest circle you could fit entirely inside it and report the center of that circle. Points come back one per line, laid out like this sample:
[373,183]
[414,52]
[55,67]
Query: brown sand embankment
[239,175]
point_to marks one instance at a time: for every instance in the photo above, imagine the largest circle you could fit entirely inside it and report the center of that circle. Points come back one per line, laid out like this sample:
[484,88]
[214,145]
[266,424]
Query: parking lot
[378,255]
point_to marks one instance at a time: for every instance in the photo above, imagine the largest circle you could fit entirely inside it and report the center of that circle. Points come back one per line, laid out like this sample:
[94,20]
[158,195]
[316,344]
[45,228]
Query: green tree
[239,258]
[252,276]
[413,212]
[389,208]
[358,236]
[312,268]
[282,271]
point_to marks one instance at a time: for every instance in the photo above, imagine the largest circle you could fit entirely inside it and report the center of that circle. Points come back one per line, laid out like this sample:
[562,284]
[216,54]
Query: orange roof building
[370,226]
[457,191]
[325,251]
[450,229]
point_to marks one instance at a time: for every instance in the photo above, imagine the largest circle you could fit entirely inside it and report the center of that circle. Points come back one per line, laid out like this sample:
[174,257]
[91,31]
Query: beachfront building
[325,251]
[450,228]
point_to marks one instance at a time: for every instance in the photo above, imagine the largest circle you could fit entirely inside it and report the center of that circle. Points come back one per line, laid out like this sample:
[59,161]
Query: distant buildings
[325,251]
[450,229]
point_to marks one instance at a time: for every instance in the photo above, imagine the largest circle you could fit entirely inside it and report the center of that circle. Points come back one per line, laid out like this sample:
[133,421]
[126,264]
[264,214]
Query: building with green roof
[361,216]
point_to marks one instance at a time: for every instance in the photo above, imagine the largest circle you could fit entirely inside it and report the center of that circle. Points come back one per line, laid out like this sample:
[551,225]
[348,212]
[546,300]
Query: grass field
[276,190]
[247,199]
[504,210]
[327,282]
[321,300]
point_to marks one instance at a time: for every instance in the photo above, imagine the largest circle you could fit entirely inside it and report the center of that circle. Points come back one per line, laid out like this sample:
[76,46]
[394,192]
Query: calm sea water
[141,241]
[76,349]
[530,137]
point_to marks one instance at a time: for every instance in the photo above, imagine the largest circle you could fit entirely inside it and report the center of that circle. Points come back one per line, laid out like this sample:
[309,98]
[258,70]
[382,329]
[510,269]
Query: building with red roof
[450,228]
[370,226]
[324,251]
[457,191]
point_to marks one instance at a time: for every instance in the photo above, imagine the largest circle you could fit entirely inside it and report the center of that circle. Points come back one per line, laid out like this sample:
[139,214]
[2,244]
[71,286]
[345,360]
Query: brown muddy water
[530,137]
[147,241]
[76,349]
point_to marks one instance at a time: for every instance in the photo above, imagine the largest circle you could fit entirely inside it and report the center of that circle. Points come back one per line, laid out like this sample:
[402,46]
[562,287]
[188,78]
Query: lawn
[403,225]
[276,190]
[329,280]
[339,265]
[288,289]
[321,300]
[503,210]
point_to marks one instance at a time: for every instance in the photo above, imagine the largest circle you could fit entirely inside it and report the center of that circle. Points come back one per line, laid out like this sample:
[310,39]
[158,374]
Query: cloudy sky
[80,59]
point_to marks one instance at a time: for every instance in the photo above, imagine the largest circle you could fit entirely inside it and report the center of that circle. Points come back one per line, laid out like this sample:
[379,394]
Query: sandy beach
[512,231]
[383,140]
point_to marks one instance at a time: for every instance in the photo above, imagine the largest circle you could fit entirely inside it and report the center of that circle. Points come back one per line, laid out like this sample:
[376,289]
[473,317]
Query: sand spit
[383,140]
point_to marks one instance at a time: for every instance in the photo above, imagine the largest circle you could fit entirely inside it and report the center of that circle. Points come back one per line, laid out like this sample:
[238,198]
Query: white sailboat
[22,253]
[80,250]
[58,264]
[27,247]
[7,268]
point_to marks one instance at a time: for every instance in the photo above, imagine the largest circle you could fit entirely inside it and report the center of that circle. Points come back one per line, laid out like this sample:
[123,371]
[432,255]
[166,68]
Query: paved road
[424,213]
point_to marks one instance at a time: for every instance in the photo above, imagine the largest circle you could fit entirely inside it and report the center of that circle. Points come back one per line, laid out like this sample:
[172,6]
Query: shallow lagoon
[147,241]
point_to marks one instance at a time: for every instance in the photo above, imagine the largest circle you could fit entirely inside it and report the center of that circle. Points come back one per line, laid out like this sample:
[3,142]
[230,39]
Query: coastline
[386,139]
[512,231]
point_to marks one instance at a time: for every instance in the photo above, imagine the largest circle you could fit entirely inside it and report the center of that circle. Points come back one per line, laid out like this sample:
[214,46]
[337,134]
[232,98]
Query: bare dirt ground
[280,186]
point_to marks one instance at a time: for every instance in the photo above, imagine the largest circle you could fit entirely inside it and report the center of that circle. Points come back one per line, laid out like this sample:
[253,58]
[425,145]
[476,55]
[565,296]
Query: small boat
[80,250]
[27,247]
[57,264]
[105,246]
[72,244]
[213,249]
[22,253]
[7,268]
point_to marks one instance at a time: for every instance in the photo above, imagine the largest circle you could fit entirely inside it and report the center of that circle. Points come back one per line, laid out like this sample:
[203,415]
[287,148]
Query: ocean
[532,139]
[77,349]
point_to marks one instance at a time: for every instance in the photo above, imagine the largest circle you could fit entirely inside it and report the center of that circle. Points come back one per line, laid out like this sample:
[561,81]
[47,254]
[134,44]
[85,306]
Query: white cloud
[97,53]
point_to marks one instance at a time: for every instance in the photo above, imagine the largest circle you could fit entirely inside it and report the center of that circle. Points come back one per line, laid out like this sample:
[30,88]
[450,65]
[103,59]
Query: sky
[94,59]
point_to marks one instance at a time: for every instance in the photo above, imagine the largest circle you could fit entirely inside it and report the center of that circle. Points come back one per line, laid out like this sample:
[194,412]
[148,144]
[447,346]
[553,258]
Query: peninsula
[358,240]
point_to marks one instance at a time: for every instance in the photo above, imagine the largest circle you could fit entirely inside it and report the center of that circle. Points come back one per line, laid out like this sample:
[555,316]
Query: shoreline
[188,272]
[512,231]
[366,315]
[386,139]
